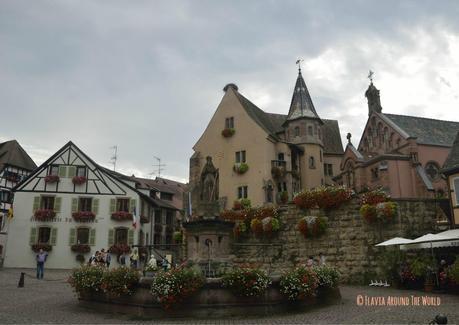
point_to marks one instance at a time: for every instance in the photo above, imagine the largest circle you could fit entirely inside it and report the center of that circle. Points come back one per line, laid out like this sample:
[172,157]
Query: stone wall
[348,243]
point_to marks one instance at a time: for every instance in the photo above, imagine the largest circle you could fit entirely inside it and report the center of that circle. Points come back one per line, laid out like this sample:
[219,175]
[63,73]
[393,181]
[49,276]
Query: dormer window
[229,123]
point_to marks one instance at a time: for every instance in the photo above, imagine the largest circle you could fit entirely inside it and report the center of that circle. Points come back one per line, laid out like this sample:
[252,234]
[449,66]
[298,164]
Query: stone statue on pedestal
[208,207]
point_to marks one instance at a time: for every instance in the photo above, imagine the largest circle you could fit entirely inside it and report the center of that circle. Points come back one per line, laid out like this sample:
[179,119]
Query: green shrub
[246,282]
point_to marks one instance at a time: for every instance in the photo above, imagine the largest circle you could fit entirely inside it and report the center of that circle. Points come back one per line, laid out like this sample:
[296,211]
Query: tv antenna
[158,166]
[114,158]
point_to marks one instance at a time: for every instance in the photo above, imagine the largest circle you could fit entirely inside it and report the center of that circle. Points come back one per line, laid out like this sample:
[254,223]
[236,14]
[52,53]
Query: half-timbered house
[15,165]
[71,207]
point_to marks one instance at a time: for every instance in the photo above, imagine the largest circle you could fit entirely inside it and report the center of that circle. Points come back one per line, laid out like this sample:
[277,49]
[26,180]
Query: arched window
[312,162]
[296,131]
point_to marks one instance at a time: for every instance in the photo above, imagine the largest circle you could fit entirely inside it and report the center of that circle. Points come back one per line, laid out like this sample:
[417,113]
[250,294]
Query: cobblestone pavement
[52,301]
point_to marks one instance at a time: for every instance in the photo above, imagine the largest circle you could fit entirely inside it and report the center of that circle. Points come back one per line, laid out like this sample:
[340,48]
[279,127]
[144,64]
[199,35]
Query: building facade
[451,171]
[263,156]
[402,154]
[15,165]
[72,207]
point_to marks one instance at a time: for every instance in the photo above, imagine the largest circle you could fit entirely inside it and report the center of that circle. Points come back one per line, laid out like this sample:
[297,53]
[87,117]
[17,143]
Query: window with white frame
[240,157]
[242,192]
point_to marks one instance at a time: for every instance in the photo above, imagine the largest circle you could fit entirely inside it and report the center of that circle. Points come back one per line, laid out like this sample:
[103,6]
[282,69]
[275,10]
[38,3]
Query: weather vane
[370,76]
[299,63]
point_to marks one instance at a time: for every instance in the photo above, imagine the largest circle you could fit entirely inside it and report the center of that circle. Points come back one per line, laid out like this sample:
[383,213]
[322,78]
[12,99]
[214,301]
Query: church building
[402,154]
[266,157]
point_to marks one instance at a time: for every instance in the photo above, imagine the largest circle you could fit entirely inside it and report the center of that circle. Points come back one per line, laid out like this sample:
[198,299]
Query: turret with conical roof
[301,104]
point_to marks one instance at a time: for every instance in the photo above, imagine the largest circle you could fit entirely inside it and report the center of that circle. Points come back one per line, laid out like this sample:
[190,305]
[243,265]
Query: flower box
[241,168]
[228,132]
[13,178]
[144,219]
[78,180]
[80,248]
[119,249]
[83,216]
[44,214]
[121,216]
[46,247]
[330,197]
[52,179]
[311,226]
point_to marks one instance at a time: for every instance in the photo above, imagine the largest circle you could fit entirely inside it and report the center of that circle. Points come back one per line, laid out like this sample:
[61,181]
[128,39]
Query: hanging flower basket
[270,225]
[44,214]
[121,216]
[46,247]
[256,226]
[83,216]
[386,210]
[368,212]
[119,249]
[51,179]
[241,168]
[228,132]
[80,248]
[374,197]
[79,180]
[311,226]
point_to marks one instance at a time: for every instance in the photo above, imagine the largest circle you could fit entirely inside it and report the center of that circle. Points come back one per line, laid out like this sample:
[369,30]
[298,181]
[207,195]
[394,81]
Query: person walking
[134,259]
[41,259]
[108,259]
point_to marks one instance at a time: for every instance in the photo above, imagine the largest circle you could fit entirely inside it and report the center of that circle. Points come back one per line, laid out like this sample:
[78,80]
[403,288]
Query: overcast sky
[148,75]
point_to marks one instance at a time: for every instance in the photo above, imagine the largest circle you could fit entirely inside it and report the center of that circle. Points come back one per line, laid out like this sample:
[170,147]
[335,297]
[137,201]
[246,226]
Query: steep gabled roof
[11,153]
[332,137]
[427,131]
[452,161]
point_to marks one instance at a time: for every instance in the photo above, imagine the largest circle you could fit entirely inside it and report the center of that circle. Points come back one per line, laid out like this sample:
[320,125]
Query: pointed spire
[372,95]
[301,105]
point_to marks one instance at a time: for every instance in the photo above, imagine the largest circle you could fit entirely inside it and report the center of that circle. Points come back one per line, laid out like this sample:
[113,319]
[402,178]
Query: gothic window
[386,136]
[399,142]
[391,140]
[432,170]
[312,162]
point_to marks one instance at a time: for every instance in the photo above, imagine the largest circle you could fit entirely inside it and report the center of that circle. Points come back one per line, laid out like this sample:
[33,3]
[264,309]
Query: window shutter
[57,204]
[74,205]
[72,171]
[111,237]
[36,203]
[130,237]
[112,205]
[72,237]
[92,236]
[62,171]
[95,206]
[133,203]
[53,238]
[33,236]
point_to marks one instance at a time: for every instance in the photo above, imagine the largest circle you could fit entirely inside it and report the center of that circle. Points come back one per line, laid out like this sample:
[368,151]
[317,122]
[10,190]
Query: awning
[447,238]
[395,241]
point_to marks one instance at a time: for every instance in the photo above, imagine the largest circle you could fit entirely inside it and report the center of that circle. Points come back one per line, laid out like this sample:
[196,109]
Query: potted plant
[228,132]
[299,283]
[52,179]
[241,168]
[79,180]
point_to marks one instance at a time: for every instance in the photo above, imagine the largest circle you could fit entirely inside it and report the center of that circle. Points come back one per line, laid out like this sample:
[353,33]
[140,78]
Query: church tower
[304,129]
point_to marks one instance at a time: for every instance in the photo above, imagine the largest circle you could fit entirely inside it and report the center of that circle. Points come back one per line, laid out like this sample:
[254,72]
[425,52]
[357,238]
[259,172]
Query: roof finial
[348,137]
[299,64]
[370,76]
